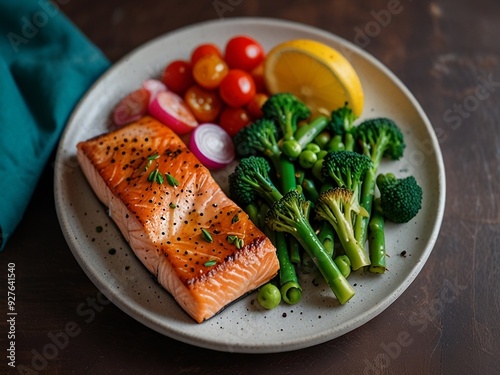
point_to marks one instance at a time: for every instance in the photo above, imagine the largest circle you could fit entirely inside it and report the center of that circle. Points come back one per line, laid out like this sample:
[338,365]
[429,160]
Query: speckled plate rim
[175,326]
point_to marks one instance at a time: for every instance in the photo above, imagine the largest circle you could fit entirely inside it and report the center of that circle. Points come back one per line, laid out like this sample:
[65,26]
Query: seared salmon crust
[202,248]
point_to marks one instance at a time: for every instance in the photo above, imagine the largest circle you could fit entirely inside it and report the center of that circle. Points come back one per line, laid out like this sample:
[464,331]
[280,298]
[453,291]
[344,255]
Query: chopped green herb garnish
[156,176]
[153,157]
[210,263]
[150,161]
[173,205]
[231,238]
[206,235]
[235,219]
[171,180]
[159,178]
[239,243]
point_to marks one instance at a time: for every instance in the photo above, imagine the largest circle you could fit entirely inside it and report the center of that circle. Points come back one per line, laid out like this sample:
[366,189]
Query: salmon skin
[202,248]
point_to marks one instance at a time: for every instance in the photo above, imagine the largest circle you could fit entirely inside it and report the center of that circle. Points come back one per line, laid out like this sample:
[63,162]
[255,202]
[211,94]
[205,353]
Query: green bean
[344,264]
[376,239]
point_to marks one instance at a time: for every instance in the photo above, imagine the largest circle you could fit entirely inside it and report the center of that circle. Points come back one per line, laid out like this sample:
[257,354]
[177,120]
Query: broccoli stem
[326,236]
[326,232]
[253,213]
[353,249]
[368,189]
[306,134]
[376,239]
[348,142]
[290,287]
[304,233]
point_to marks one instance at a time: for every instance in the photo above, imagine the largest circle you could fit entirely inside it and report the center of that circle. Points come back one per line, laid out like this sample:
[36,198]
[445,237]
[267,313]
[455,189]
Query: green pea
[269,296]
[291,148]
[307,158]
[313,147]
[322,139]
[336,144]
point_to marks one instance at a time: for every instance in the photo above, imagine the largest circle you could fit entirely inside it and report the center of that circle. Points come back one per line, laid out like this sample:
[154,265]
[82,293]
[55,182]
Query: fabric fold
[46,65]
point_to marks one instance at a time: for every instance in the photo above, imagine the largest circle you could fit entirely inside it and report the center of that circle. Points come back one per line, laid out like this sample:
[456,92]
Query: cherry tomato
[178,76]
[132,107]
[257,74]
[233,119]
[209,71]
[237,88]
[205,104]
[243,52]
[204,50]
[255,104]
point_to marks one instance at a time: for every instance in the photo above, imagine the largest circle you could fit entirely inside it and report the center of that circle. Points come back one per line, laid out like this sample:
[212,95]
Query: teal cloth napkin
[46,64]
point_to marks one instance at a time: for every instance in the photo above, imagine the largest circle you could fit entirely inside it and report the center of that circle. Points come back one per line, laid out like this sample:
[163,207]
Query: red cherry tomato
[209,71]
[205,104]
[243,52]
[132,107]
[237,88]
[233,119]
[255,104]
[178,76]
[204,50]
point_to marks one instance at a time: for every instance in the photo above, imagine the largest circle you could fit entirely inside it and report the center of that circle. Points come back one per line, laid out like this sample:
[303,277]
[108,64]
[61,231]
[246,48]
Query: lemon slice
[317,74]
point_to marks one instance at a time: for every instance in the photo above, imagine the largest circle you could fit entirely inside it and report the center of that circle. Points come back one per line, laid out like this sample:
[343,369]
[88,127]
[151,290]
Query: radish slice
[154,87]
[212,146]
[131,108]
[170,109]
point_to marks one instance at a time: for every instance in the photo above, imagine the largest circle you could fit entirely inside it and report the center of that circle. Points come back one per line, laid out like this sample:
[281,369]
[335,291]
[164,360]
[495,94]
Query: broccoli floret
[342,125]
[346,169]
[290,215]
[380,137]
[251,180]
[258,138]
[377,138]
[287,111]
[400,198]
[339,207]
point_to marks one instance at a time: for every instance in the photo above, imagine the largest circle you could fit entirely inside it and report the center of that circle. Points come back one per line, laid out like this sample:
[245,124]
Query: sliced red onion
[212,146]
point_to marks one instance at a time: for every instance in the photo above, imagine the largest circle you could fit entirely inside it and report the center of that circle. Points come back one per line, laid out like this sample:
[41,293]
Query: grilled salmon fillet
[202,248]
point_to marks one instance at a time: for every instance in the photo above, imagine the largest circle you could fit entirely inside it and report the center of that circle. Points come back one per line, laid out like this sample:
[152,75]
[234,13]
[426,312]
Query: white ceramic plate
[244,326]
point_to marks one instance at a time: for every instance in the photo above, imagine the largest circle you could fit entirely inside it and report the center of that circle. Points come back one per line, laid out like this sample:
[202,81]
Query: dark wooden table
[444,51]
